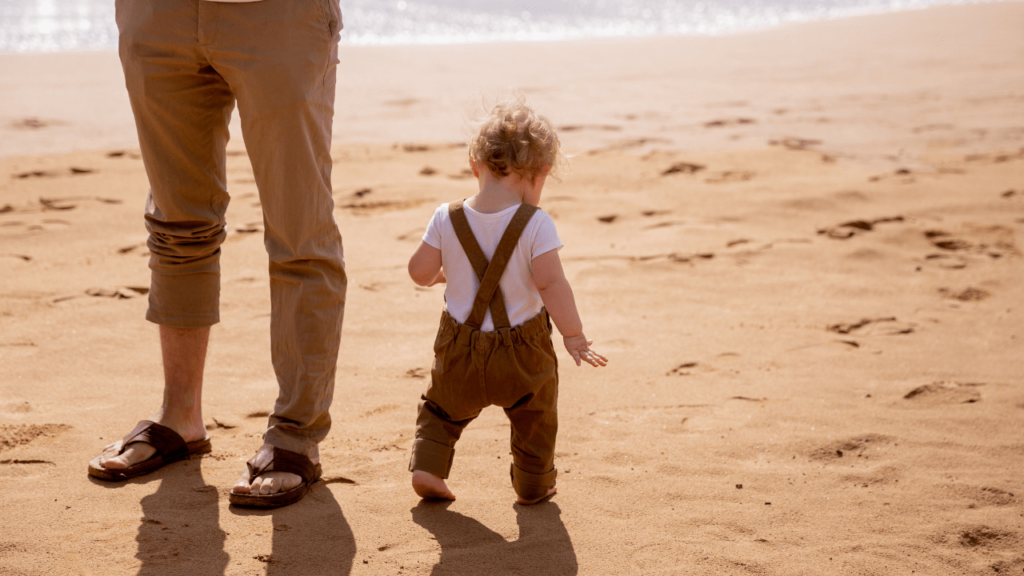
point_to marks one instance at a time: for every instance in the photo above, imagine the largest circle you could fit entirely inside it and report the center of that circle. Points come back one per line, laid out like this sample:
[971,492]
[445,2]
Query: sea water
[60,25]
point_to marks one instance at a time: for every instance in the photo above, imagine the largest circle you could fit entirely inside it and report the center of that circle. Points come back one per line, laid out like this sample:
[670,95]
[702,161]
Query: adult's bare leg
[184,357]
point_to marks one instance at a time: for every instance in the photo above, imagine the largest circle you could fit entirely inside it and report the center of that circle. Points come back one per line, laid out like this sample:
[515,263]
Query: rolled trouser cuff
[532,486]
[432,457]
[184,301]
[298,444]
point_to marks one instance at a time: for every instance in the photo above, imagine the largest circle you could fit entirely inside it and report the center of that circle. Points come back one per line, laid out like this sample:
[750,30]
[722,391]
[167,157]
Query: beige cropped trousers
[186,63]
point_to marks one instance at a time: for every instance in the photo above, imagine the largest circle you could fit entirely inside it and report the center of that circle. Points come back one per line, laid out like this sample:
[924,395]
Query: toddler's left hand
[579,347]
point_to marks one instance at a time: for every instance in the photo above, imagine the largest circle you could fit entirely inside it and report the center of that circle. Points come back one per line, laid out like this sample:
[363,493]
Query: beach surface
[798,248]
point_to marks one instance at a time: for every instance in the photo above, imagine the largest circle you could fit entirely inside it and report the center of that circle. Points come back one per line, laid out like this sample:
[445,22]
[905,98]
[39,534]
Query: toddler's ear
[476,168]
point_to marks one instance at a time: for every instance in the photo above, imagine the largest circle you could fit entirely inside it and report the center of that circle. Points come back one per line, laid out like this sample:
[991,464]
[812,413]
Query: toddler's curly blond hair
[513,138]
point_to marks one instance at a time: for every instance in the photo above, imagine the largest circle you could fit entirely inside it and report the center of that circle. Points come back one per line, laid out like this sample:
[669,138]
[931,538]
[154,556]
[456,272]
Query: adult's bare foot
[190,428]
[429,486]
[268,482]
[551,492]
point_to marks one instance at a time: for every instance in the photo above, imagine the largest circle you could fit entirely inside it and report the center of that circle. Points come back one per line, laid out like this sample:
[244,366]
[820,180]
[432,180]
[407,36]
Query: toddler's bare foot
[552,492]
[430,486]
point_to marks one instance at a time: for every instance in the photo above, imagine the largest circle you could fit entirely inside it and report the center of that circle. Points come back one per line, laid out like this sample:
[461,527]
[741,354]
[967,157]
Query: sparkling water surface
[61,25]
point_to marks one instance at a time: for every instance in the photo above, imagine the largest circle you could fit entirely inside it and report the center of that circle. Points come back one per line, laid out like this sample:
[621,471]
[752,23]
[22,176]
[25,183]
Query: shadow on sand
[180,532]
[310,536]
[469,547]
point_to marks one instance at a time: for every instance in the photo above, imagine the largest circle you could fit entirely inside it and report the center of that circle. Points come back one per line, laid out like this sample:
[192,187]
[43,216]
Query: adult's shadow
[179,532]
[469,547]
[310,536]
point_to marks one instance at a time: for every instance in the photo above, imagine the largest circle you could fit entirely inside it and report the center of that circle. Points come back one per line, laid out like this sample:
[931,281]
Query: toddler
[498,255]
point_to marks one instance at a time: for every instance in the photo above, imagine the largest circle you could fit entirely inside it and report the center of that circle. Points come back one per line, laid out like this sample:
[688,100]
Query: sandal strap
[167,442]
[281,460]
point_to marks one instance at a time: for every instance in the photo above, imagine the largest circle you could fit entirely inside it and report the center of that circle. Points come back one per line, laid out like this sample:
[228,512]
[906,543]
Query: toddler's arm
[425,266]
[558,299]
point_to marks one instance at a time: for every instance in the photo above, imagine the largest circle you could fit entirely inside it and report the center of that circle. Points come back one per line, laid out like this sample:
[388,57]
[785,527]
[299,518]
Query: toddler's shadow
[469,547]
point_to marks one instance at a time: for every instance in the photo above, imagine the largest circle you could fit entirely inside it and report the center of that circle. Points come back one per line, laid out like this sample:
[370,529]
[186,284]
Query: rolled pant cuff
[302,446]
[532,486]
[432,457]
[172,320]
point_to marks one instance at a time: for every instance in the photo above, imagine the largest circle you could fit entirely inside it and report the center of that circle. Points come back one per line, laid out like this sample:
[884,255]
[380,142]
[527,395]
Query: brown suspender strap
[502,254]
[490,273]
[477,259]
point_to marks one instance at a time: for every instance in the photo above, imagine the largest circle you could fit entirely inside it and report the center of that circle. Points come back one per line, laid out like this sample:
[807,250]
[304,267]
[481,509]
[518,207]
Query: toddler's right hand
[439,279]
[579,347]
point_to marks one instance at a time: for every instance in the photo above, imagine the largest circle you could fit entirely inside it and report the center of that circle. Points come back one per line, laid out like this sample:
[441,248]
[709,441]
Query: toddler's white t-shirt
[522,300]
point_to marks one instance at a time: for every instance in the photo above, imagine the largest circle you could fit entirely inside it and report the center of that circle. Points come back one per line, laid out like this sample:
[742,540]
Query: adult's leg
[184,356]
[280,58]
[181,107]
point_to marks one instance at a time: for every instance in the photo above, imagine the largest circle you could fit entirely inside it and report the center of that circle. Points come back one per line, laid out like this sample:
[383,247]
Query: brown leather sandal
[278,460]
[170,447]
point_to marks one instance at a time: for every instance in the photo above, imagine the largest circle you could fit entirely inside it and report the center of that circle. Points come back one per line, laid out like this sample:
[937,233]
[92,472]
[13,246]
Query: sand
[798,247]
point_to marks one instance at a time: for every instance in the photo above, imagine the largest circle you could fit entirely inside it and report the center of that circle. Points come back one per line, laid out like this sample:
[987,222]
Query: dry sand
[798,247]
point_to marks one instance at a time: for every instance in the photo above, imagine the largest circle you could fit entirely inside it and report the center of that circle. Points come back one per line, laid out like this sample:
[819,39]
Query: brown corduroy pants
[512,367]
[186,63]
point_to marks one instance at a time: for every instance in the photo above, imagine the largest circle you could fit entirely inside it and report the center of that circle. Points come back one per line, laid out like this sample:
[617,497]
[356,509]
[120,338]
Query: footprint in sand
[730,176]
[246,229]
[965,295]
[141,247]
[31,123]
[682,370]
[868,446]
[364,208]
[873,327]
[428,171]
[608,219]
[946,393]
[900,175]
[73,171]
[984,495]
[947,261]
[57,204]
[725,122]
[683,168]
[116,293]
[14,435]
[946,241]
[795,143]
[985,537]
[848,230]
[994,158]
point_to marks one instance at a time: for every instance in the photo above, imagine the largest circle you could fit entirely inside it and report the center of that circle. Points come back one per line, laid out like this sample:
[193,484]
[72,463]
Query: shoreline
[583,36]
